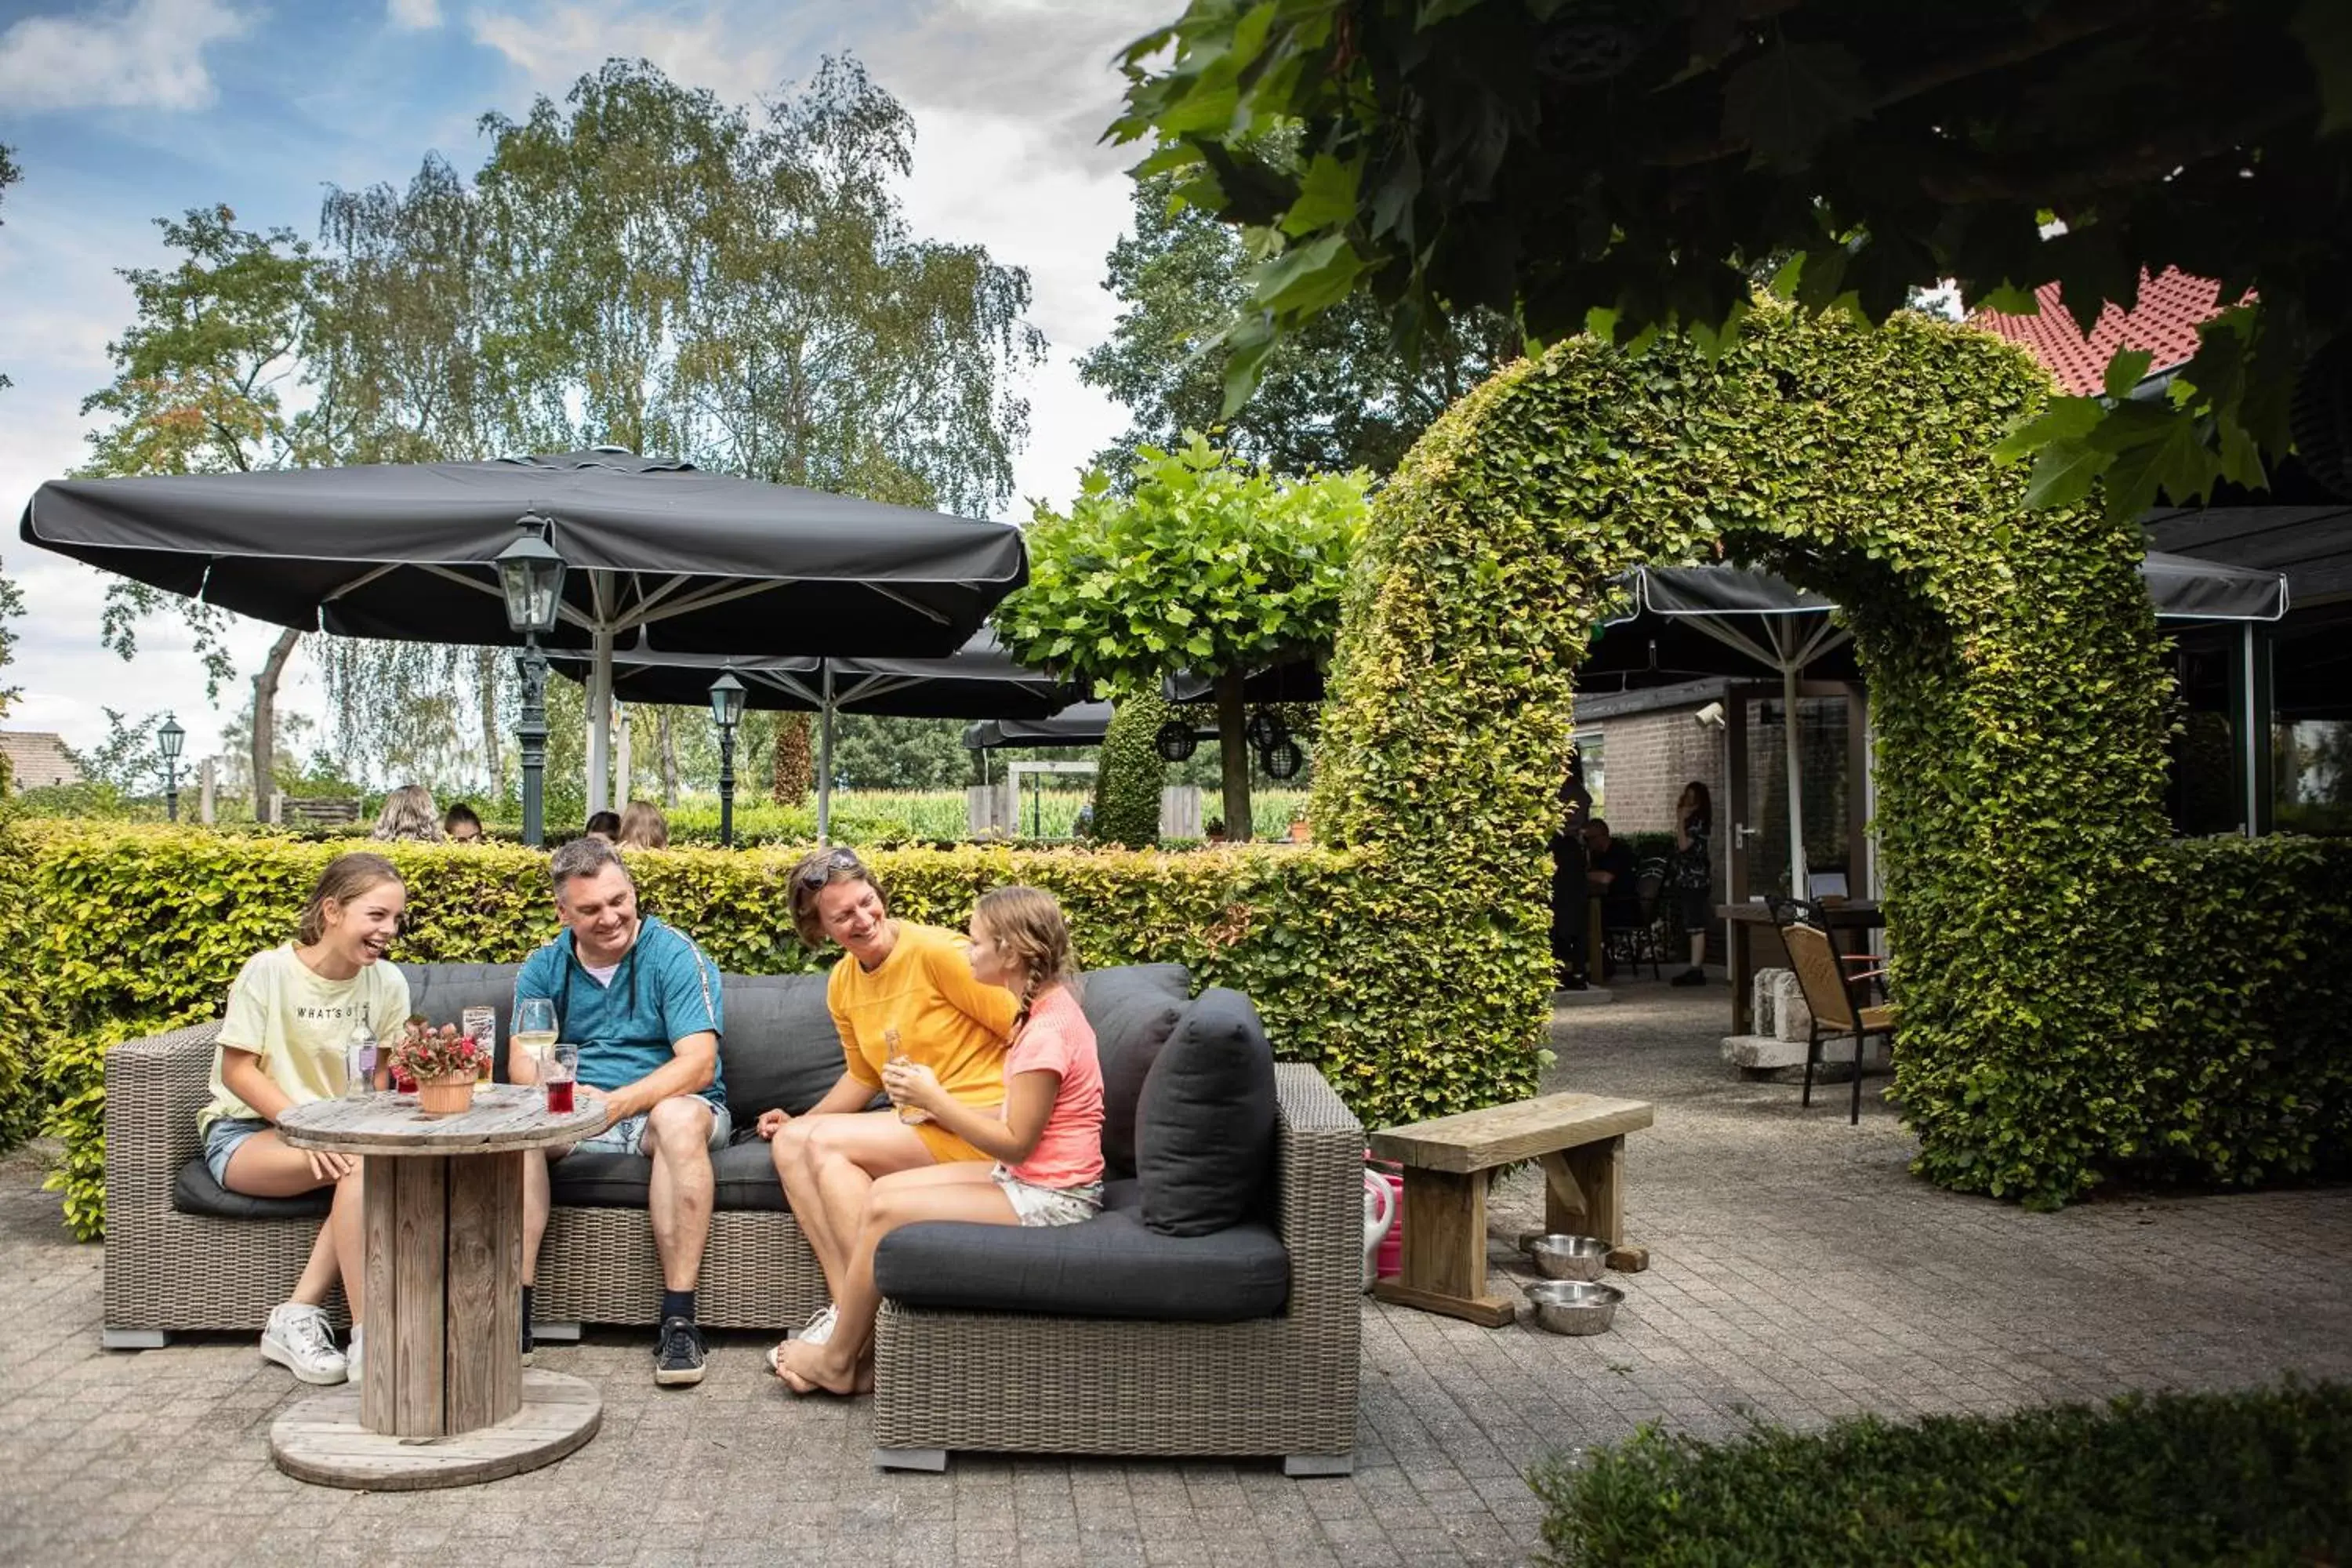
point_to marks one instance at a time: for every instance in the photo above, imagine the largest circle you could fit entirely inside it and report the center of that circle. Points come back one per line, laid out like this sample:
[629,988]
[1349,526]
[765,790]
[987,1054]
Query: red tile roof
[2164,323]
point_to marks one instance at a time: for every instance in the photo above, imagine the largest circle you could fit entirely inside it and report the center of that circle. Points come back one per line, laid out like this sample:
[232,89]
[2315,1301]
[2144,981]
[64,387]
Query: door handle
[1742,833]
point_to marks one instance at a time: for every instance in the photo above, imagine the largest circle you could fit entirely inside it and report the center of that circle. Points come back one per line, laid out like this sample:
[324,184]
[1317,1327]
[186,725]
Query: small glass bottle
[898,1053]
[359,1062]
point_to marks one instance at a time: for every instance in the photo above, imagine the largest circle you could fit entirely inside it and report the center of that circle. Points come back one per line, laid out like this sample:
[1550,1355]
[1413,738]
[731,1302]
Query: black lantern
[1282,759]
[531,576]
[1174,740]
[171,738]
[1263,729]
[726,709]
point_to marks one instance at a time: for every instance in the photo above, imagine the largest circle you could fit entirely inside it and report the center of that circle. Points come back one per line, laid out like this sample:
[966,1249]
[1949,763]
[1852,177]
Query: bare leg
[791,1154]
[534,1212]
[841,1155]
[264,1166]
[1698,949]
[678,1198]
[963,1191]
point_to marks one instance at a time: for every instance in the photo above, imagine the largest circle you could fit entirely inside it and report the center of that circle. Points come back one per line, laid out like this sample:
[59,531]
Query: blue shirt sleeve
[687,987]
[538,977]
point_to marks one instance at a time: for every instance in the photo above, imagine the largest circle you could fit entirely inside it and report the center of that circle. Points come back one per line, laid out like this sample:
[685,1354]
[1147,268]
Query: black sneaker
[1689,977]
[678,1357]
[529,1346]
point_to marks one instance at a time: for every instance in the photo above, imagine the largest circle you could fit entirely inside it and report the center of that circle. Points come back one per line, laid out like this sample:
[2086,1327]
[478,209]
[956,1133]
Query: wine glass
[534,1026]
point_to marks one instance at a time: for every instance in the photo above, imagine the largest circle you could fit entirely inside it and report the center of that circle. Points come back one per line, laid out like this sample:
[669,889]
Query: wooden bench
[323,811]
[1580,1141]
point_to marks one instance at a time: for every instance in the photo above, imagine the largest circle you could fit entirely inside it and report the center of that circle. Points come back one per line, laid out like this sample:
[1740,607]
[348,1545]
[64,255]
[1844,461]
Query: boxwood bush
[2248,1479]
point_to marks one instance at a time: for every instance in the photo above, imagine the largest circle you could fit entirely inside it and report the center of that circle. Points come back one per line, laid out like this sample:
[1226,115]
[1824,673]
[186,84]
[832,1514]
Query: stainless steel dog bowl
[1573,1306]
[1570,1256]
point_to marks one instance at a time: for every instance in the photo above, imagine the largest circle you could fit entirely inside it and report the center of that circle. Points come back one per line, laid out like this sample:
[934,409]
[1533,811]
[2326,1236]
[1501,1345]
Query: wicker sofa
[183,1256]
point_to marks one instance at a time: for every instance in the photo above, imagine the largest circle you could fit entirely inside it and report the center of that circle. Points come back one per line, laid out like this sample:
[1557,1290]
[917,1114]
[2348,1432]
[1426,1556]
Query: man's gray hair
[583,856]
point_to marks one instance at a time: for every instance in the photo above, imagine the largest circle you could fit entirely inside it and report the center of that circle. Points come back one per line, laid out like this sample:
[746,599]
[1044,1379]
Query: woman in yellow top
[904,985]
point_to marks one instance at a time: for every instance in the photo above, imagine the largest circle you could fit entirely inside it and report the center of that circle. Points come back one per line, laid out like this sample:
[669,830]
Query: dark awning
[2312,544]
[978,681]
[702,563]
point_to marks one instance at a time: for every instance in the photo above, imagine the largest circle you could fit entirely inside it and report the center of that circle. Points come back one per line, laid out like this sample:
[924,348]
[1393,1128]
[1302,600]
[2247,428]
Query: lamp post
[171,737]
[531,575]
[727,707]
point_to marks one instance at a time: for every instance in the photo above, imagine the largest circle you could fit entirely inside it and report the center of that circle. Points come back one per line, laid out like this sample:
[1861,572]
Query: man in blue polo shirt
[643,1004]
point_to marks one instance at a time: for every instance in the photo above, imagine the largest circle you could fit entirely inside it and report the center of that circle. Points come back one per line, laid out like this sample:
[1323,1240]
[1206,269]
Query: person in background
[461,826]
[1692,874]
[1043,1143]
[1610,872]
[408,814]
[292,1012]
[642,827]
[901,986]
[1572,887]
[604,825]
[644,1005]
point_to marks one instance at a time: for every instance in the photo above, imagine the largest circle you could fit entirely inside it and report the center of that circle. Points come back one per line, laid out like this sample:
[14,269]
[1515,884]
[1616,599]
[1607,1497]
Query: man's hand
[326,1167]
[771,1122]
[599,1099]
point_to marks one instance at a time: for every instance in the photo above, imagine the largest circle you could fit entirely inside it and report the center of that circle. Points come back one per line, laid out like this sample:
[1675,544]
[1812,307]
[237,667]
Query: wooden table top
[505,1117]
[1500,1134]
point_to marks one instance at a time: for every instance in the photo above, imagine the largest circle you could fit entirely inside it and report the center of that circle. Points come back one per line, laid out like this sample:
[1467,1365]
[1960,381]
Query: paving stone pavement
[1799,1273]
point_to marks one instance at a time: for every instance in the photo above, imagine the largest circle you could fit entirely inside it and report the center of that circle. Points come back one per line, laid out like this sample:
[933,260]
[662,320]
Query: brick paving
[1799,1273]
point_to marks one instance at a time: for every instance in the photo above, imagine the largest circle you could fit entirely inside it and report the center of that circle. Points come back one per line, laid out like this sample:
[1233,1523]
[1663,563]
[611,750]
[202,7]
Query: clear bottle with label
[359,1061]
[898,1053]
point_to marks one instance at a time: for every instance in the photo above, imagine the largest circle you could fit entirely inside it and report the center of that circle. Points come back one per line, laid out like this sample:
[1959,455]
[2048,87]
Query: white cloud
[147,55]
[553,44]
[413,14]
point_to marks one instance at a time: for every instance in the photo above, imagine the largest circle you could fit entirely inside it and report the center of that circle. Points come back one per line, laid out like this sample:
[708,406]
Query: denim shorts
[627,1136]
[1048,1205]
[221,1139]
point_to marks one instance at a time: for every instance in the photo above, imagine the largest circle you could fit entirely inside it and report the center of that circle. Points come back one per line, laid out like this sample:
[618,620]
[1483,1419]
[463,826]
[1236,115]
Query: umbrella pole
[600,723]
[1796,781]
[824,762]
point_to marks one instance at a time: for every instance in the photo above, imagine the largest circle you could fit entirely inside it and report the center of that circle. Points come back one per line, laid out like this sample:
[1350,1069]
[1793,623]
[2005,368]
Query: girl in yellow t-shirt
[899,982]
[291,1012]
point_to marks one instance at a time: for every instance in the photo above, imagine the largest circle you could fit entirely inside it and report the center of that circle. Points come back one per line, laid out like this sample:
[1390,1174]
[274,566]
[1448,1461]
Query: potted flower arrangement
[444,1064]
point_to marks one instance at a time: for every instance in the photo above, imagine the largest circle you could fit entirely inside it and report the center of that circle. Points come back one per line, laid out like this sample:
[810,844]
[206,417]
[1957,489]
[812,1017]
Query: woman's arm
[1028,1104]
[991,1006]
[848,1094]
[242,1076]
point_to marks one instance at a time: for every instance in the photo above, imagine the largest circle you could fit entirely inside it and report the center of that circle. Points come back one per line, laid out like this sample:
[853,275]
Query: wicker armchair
[1829,997]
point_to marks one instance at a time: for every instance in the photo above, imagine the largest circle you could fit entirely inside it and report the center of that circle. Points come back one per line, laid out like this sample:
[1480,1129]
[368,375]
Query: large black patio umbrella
[692,562]
[979,680]
[1079,724]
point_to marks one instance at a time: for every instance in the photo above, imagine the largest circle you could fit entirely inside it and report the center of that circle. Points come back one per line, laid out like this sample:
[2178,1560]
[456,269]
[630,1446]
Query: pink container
[1389,1260]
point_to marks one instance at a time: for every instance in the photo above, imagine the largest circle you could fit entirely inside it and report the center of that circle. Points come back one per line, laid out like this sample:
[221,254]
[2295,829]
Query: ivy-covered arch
[2016,690]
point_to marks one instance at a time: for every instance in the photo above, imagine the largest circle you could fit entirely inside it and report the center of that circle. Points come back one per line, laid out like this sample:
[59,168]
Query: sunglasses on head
[818,875]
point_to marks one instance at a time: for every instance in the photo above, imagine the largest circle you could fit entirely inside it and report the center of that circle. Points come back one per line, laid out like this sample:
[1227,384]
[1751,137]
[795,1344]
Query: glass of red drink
[563,1070]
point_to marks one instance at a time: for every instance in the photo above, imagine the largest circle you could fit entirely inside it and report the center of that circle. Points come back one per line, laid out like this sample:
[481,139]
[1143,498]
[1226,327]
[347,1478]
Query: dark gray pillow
[1204,1123]
[781,1048]
[442,991]
[193,1191]
[1133,1009]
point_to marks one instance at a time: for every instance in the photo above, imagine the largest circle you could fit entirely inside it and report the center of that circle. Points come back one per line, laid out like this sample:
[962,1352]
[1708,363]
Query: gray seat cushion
[781,1049]
[1204,1124]
[1112,1265]
[193,1191]
[1133,1009]
[744,1174]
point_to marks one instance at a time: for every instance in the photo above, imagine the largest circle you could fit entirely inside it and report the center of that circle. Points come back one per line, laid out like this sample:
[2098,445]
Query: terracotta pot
[447,1096]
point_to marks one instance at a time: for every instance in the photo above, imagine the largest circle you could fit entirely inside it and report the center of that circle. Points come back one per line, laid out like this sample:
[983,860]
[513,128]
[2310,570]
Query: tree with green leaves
[1207,564]
[1623,167]
[201,385]
[1131,774]
[1336,395]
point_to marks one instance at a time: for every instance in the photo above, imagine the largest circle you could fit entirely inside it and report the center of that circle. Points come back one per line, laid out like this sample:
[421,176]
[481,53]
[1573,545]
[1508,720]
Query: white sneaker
[351,1356]
[819,1325]
[297,1339]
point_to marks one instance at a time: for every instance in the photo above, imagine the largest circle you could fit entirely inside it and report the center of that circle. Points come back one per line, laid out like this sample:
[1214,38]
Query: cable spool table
[444,1399]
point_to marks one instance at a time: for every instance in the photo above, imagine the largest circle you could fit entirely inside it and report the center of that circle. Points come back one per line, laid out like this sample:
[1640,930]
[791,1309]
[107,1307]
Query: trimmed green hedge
[1130,771]
[142,928]
[2017,694]
[2250,1480]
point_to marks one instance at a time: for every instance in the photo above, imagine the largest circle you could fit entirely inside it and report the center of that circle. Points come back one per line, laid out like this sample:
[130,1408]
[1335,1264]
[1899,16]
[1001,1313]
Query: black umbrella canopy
[1293,680]
[979,680]
[700,562]
[1080,724]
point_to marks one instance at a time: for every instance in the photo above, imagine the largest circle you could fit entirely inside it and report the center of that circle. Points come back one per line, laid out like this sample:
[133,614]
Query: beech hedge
[2017,694]
[136,929]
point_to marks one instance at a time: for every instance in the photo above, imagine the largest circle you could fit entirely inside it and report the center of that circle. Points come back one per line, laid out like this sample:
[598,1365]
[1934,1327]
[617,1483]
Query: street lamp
[531,575]
[727,707]
[171,737]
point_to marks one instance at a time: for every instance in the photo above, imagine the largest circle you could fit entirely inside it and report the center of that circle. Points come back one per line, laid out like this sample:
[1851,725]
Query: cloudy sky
[122,112]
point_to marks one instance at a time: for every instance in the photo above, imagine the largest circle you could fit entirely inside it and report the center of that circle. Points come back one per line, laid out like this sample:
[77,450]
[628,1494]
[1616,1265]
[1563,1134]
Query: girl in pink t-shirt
[1047,1141]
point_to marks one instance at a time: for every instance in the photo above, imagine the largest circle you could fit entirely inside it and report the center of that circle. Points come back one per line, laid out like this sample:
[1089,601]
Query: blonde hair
[1027,923]
[345,878]
[408,814]
[642,827]
[820,869]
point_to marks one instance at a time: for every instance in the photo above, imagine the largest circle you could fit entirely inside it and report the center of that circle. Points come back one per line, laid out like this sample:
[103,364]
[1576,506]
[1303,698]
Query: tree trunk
[668,745]
[265,720]
[486,672]
[1233,751]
